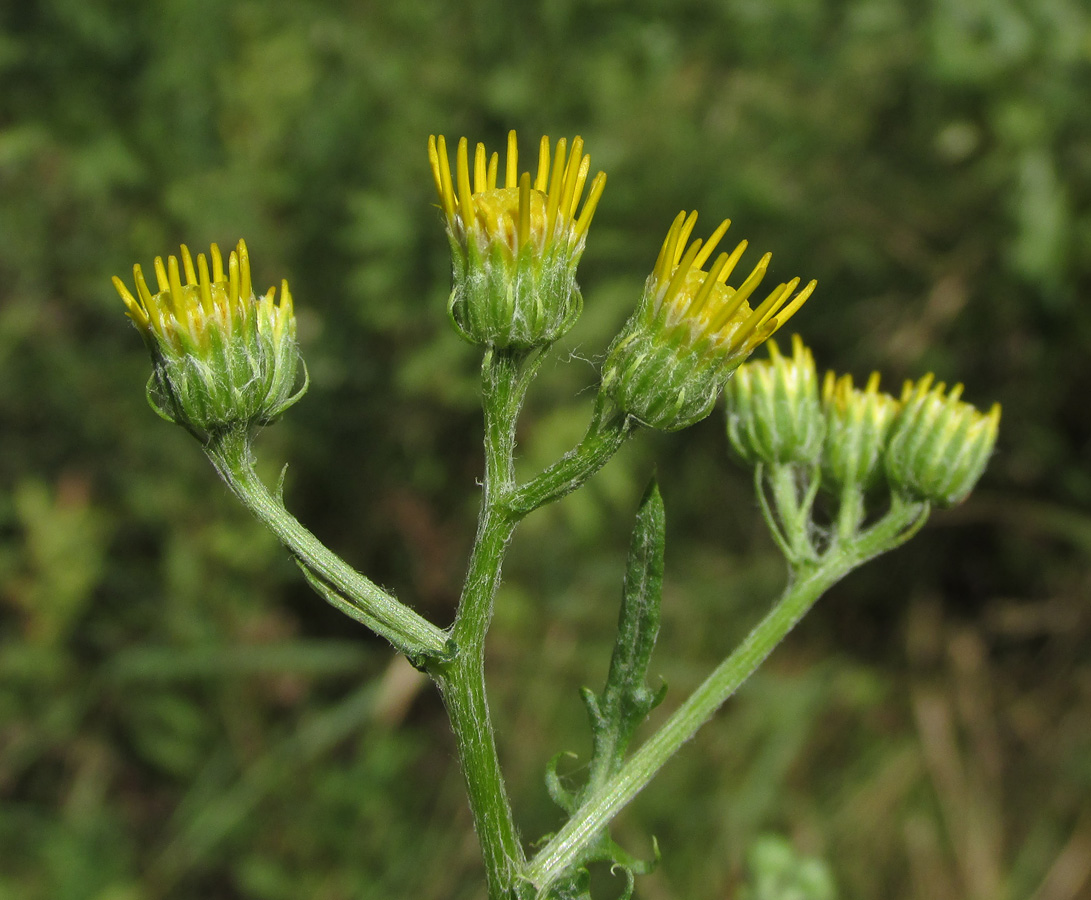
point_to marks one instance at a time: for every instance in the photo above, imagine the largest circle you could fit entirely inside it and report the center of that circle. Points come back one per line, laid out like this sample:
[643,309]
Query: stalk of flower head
[226,362]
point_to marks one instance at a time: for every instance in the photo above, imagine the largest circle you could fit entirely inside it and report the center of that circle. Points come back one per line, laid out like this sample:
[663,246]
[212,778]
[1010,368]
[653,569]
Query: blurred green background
[181,718]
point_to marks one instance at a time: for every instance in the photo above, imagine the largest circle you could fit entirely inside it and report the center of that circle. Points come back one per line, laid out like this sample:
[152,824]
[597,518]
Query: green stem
[506,375]
[505,378]
[772,521]
[608,430]
[850,511]
[810,581]
[794,488]
[462,683]
[408,631]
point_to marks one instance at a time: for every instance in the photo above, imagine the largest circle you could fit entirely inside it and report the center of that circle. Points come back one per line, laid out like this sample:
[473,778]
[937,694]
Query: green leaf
[626,700]
[558,793]
[576,884]
[624,703]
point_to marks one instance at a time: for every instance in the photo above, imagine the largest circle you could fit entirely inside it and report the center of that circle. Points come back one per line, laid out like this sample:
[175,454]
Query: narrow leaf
[624,703]
[626,700]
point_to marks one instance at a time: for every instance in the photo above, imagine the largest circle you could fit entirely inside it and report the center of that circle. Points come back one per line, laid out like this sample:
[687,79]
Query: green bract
[223,357]
[691,330]
[939,446]
[773,410]
[514,249]
[857,425]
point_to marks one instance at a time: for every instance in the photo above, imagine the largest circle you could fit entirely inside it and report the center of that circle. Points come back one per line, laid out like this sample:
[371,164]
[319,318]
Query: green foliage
[626,700]
[777,872]
[929,164]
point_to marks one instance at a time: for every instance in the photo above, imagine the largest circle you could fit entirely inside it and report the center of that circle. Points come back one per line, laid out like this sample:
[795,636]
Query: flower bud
[515,248]
[773,411]
[691,330]
[223,358]
[939,446]
[857,425]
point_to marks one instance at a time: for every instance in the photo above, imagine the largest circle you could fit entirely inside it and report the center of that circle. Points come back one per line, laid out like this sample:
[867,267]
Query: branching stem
[809,582]
[410,632]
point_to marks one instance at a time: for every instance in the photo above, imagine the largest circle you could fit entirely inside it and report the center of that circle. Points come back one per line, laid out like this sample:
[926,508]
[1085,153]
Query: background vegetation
[181,718]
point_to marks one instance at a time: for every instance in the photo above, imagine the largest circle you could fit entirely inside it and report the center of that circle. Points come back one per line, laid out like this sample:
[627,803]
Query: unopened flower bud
[773,410]
[939,446]
[223,357]
[691,330]
[857,425]
[515,247]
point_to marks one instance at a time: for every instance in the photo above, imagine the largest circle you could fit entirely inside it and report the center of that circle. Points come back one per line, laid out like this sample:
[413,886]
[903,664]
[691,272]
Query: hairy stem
[809,582]
[408,631]
[608,430]
[505,377]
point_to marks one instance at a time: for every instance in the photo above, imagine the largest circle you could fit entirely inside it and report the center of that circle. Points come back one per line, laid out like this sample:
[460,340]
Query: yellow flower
[685,296]
[939,445]
[858,423]
[515,247]
[223,357]
[692,330]
[773,411]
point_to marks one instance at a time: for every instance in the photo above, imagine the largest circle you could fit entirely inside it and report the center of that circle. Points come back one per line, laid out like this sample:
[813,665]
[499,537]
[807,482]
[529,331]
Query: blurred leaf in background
[180,717]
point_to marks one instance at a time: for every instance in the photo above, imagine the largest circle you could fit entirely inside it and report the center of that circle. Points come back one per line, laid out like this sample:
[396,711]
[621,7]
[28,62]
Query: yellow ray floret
[539,211]
[688,293]
[933,401]
[182,315]
[840,391]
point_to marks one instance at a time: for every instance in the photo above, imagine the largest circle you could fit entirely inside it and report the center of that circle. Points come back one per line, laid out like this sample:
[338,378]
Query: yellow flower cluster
[929,444]
[683,294]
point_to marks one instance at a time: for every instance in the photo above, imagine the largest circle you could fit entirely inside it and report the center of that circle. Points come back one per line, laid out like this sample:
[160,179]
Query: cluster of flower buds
[223,358]
[929,445]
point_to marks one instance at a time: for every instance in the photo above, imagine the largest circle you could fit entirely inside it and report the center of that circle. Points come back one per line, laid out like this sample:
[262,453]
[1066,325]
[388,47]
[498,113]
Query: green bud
[515,248]
[222,357]
[857,425]
[691,330]
[939,446]
[773,411]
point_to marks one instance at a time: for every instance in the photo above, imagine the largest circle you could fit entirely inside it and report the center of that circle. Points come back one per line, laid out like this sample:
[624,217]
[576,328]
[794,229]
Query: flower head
[857,426]
[692,330]
[939,445]
[773,411]
[222,356]
[515,246]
